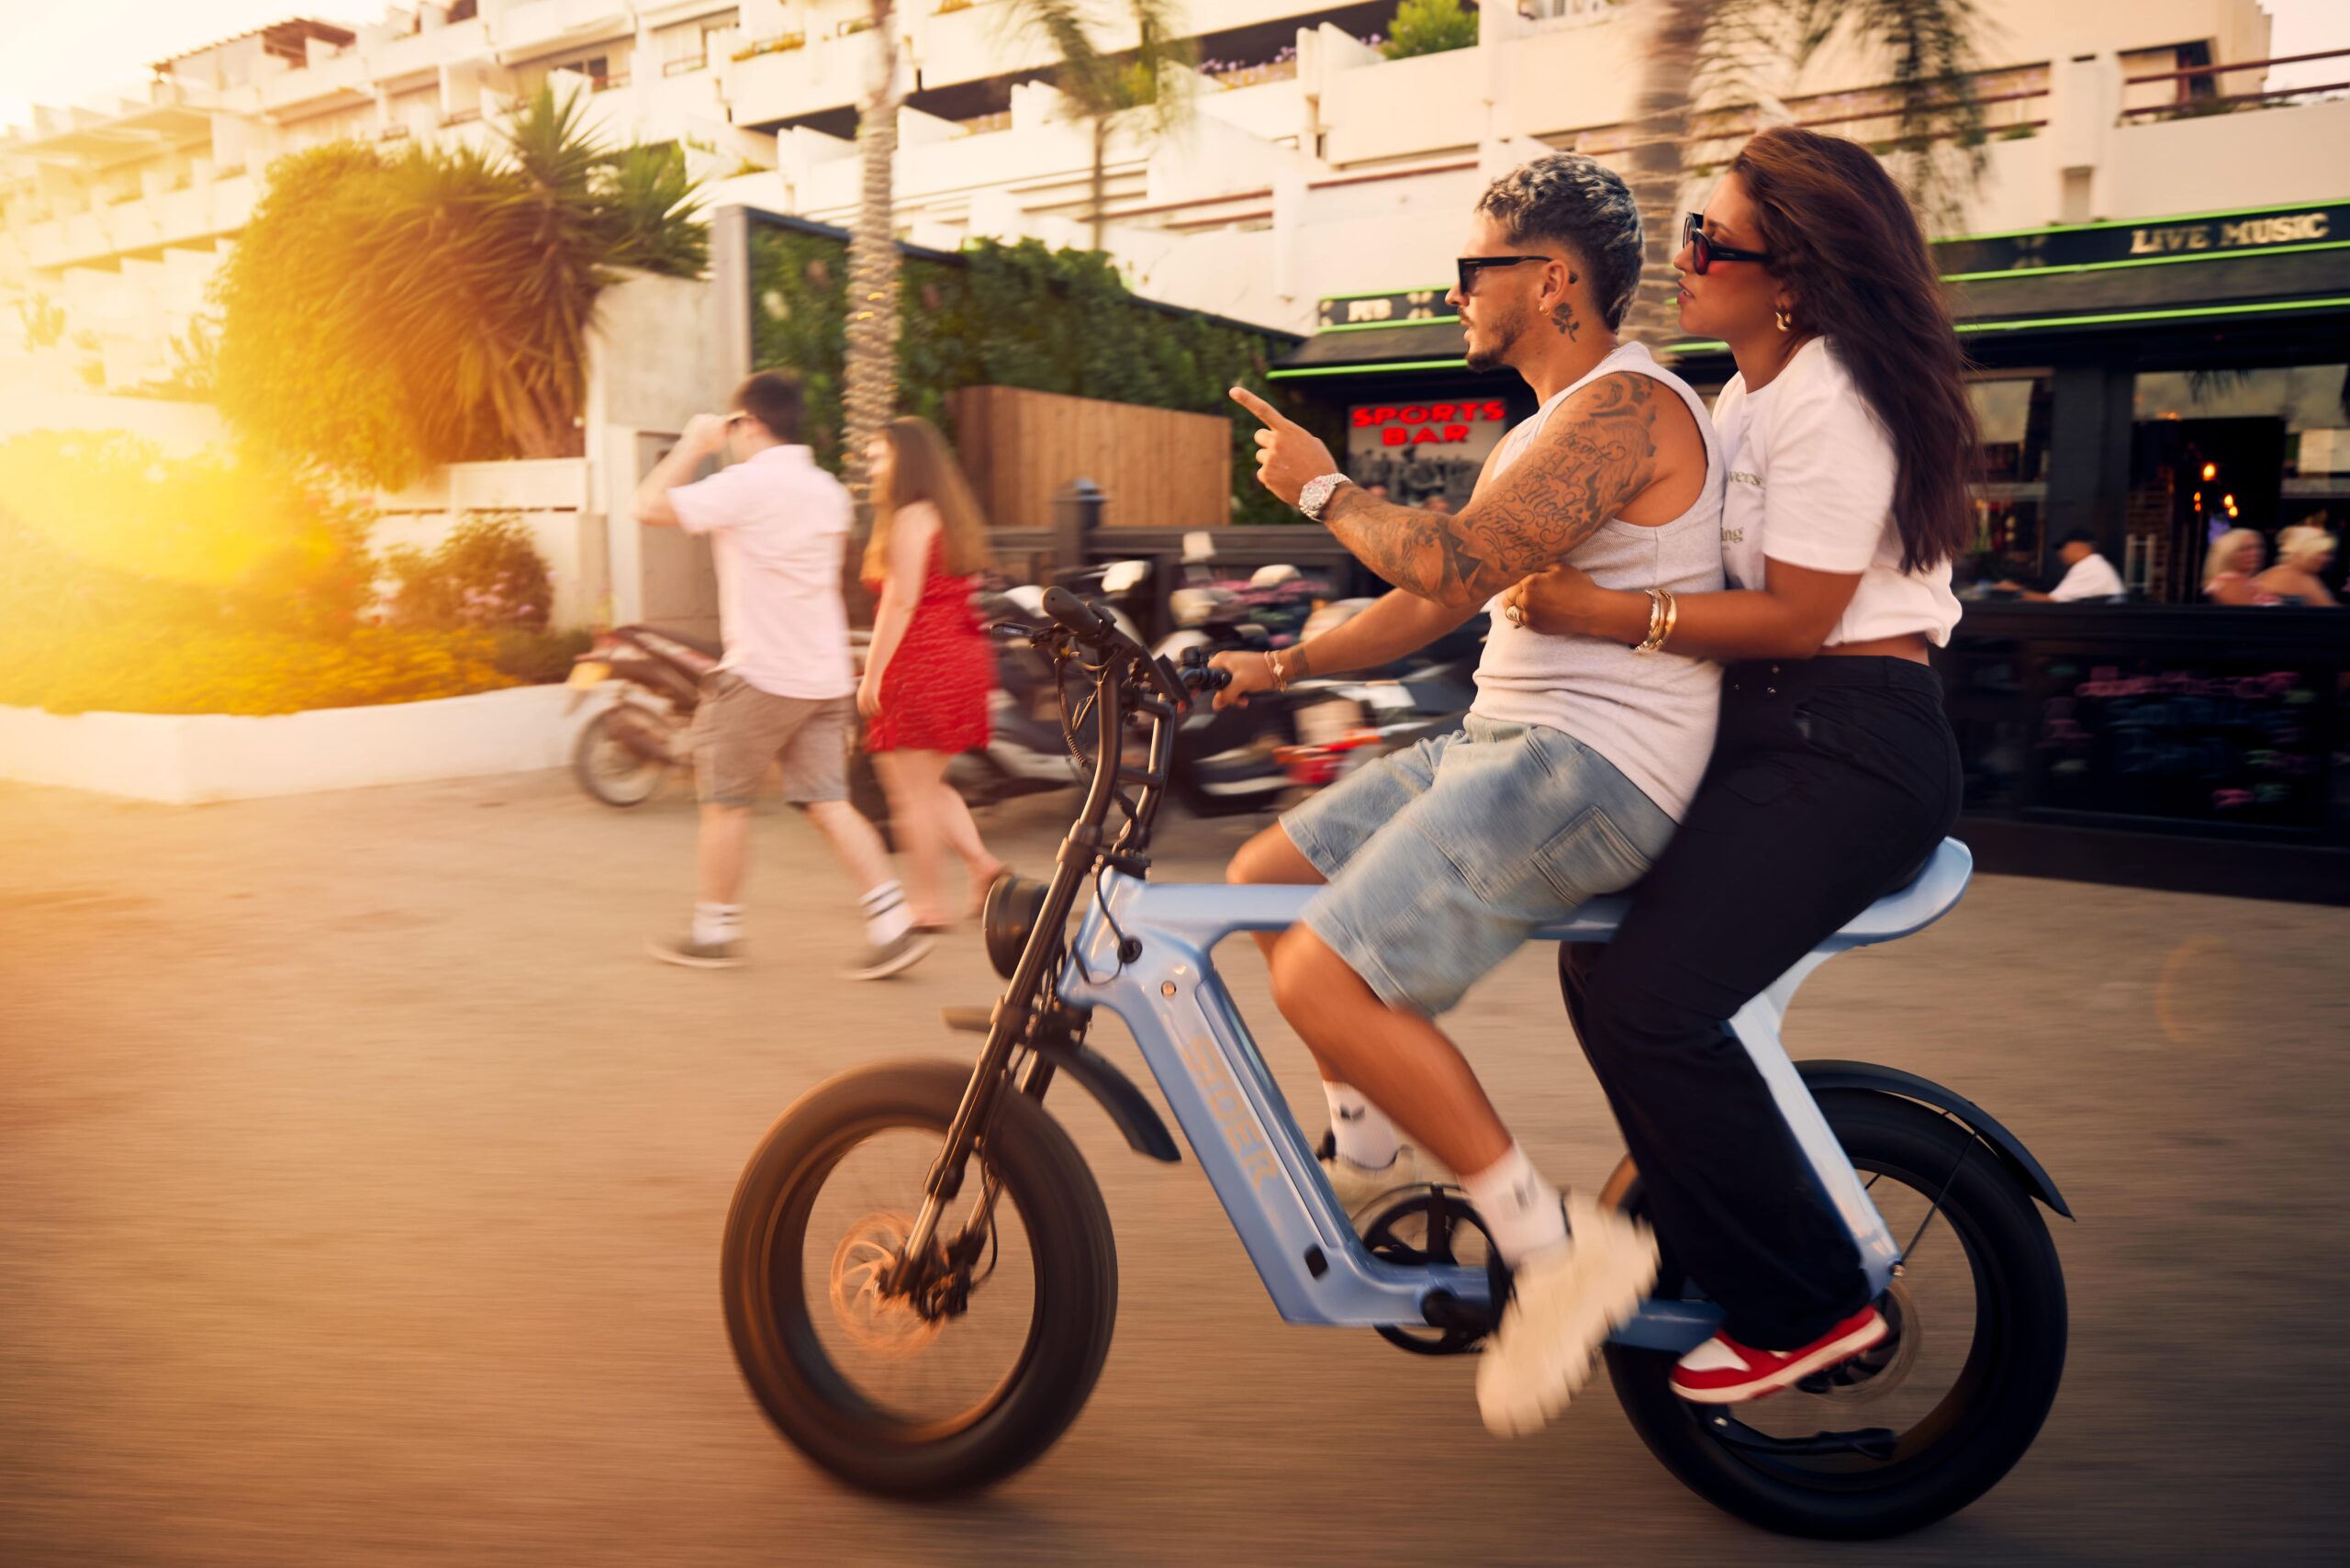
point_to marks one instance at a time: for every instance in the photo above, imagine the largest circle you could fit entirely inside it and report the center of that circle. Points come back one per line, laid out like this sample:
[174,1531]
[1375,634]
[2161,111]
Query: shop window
[2012,416]
[2220,448]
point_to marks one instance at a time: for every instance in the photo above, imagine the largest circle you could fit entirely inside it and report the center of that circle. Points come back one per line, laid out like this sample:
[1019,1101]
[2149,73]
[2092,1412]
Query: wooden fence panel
[1157,468]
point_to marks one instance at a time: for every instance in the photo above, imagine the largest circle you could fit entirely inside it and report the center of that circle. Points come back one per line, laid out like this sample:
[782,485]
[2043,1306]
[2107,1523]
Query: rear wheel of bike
[610,769]
[901,1401]
[1962,1384]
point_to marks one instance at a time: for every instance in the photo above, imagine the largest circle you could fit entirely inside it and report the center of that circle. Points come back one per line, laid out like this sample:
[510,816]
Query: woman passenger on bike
[1849,440]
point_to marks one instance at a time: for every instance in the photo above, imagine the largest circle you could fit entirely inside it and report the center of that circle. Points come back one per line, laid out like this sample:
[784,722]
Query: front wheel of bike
[1956,1393]
[908,1400]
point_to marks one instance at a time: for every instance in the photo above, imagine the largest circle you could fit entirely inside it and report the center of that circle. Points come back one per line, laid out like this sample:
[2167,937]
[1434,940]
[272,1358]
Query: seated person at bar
[2229,570]
[2302,554]
[2087,574]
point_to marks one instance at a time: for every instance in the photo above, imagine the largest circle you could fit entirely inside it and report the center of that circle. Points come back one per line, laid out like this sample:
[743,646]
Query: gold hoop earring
[1781,317]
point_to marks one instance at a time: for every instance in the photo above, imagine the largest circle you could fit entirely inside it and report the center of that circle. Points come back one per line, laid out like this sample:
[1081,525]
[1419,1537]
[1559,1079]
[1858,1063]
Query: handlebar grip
[1084,623]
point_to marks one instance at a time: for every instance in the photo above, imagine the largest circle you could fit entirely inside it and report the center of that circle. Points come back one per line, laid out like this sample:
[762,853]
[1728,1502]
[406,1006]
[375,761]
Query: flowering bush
[487,573]
[140,669]
[132,582]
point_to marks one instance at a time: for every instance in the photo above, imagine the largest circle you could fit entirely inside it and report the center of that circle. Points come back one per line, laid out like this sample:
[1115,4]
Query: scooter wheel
[610,769]
[1954,1395]
[973,1381]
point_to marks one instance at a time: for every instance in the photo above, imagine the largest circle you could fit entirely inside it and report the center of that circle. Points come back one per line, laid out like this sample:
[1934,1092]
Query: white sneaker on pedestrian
[884,958]
[1562,1309]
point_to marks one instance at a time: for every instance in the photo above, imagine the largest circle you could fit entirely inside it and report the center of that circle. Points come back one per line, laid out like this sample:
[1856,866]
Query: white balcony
[544,24]
[821,74]
[331,83]
[419,53]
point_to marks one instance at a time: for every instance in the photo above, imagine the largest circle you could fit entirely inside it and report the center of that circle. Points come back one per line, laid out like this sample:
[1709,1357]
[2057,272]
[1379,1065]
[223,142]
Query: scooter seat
[1907,910]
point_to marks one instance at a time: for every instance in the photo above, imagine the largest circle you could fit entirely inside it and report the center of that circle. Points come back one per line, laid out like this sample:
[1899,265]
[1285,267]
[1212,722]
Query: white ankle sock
[715,922]
[1360,1129]
[1518,1207]
[886,915]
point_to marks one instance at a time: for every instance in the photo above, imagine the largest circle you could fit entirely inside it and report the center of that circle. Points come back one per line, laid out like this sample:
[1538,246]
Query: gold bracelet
[1671,617]
[1281,676]
[1656,623]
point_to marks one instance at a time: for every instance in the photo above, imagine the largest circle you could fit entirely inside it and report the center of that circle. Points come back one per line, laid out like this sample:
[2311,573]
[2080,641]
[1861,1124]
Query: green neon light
[1390,293]
[2136,222]
[1369,369]
[2146,262]
[2191,313]
[1369,326]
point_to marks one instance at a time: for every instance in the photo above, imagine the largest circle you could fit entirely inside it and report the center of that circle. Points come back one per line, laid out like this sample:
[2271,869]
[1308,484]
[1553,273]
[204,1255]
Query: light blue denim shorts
[1442,858]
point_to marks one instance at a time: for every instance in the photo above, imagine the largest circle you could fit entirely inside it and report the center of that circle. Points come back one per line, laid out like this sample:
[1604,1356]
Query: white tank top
[1651,715]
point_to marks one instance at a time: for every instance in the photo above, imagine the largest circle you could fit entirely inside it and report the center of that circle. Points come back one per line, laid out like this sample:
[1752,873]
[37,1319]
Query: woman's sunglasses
[1705,251]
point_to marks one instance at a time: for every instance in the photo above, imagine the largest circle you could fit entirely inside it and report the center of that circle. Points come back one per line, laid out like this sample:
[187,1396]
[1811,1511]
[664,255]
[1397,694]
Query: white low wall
[185,758]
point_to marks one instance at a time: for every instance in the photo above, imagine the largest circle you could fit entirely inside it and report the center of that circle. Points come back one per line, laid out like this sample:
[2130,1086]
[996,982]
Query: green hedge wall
[1012,315]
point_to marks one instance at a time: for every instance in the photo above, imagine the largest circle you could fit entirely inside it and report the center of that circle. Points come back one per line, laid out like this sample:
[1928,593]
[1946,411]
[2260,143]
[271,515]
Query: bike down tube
[1304,1247]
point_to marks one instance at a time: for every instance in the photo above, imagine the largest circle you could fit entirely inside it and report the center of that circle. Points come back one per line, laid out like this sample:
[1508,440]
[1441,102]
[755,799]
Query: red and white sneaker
[1723,1371]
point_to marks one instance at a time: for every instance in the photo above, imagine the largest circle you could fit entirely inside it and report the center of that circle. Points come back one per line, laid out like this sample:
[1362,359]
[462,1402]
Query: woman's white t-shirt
[1811,479]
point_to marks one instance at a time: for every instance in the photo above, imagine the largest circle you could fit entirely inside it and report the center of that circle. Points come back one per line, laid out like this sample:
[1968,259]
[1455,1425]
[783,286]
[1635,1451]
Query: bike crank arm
[1870,1443]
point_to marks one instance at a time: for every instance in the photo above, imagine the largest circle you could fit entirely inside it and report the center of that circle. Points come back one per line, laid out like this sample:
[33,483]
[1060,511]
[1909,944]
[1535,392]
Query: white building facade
[1312,167]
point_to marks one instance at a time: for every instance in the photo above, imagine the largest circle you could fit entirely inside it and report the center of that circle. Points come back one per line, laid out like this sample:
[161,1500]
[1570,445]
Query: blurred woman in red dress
[925,695]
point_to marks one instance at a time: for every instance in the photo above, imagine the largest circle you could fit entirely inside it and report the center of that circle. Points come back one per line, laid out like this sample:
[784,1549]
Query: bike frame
[1143,951]
[1304,1247]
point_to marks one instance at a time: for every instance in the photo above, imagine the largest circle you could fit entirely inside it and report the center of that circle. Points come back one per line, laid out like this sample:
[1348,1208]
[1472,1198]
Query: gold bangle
[1656,623]
[1671,617]
[1281,676]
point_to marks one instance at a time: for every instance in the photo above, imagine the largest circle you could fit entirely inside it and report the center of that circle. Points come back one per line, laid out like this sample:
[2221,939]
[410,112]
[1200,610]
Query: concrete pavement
[361,1184]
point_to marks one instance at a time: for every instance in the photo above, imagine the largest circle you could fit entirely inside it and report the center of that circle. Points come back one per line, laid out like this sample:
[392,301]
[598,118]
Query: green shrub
[486,574]
[131,668]
[1428,26]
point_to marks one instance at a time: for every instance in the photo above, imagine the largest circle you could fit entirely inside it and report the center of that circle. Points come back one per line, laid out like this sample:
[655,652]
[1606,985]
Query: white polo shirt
[779,529]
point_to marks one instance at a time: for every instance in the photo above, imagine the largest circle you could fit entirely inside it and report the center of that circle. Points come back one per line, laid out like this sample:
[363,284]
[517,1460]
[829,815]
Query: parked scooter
[625,752]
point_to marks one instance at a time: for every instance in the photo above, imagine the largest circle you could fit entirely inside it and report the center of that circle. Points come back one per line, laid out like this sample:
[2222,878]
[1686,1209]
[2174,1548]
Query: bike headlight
[1010,914]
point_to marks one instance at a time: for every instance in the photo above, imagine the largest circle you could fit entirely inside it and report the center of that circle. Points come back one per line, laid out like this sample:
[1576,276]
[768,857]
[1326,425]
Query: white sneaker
[1359,1187]
[1562,1305]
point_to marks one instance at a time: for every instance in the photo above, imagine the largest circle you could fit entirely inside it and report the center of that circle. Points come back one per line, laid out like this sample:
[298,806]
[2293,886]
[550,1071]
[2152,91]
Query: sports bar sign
[2115,244]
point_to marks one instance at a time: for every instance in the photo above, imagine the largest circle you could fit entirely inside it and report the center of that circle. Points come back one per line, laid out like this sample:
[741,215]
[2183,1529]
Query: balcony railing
[2191,105]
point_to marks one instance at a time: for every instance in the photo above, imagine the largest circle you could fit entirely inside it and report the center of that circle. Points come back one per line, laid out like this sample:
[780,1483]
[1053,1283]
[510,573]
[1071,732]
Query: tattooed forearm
[1597,452]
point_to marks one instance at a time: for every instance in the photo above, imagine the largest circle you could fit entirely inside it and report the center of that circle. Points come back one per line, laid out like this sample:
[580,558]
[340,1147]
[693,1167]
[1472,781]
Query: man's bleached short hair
[1581,206]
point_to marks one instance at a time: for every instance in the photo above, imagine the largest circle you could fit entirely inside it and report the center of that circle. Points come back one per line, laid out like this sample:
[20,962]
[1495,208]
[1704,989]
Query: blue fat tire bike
[919,1279]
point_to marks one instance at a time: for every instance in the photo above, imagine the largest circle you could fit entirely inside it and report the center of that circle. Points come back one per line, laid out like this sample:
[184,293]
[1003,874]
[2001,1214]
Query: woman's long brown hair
[1842,238]
[922,468]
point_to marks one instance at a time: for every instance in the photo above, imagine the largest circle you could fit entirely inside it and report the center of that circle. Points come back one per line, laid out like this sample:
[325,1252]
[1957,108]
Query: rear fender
[1868,1078]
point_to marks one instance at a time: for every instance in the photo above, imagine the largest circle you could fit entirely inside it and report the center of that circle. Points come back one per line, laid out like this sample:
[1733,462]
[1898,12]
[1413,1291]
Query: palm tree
[383,315]
[1709,73]
[870,395]
[1107,87]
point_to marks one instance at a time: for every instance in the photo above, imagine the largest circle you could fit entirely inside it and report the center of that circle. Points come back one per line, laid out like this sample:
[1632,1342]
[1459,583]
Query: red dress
[935,691]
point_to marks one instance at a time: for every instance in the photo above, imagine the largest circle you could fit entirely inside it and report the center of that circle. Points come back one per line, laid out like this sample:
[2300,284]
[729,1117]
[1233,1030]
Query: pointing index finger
[1263,411]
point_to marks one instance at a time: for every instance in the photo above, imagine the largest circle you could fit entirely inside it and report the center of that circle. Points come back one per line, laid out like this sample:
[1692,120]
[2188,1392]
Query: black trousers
[1832,780]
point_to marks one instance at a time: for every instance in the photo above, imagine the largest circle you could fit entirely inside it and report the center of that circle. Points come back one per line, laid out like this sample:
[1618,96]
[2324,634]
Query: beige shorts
[739,730]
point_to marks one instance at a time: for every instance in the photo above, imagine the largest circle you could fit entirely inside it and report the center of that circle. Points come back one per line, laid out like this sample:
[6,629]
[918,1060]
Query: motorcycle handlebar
[1084,623]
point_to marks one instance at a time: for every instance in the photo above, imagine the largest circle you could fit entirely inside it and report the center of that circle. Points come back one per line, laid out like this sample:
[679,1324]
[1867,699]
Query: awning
[1364,350]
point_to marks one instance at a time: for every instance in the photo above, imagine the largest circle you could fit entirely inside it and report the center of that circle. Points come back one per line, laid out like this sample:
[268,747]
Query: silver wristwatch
[1318,493]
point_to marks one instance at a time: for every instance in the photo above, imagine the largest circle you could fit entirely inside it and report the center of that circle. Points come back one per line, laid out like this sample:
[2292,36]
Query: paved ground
[361,1181]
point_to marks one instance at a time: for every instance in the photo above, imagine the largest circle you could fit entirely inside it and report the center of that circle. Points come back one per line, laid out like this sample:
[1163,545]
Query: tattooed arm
[1595,456]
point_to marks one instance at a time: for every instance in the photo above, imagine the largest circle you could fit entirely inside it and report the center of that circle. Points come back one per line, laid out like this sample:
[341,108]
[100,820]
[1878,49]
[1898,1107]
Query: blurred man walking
[778,528]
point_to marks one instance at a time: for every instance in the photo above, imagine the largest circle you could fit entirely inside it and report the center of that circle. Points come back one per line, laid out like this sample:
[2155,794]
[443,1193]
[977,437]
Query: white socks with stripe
[716,924]
[1518,1207]
[1359,1130]
[886,915]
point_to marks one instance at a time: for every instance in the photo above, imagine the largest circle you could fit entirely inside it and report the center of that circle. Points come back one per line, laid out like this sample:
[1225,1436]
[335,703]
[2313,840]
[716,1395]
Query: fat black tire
[767,1307]
[2007,1383]
[594,736]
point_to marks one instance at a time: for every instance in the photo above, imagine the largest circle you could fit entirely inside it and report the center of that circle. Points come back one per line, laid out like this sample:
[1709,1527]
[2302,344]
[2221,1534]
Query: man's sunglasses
[1705,251]
[1472,265]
